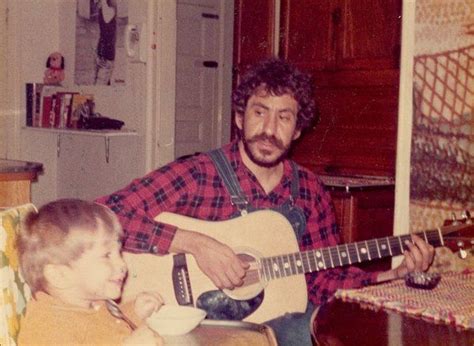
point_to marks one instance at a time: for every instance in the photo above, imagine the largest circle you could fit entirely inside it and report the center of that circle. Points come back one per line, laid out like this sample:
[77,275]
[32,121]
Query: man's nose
[270,124]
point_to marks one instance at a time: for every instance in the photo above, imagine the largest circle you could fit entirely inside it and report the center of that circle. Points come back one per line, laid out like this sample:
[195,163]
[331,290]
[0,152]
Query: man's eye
[108,255]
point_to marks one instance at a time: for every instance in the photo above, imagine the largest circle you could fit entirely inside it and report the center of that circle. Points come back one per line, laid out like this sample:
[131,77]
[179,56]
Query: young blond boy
[70,255]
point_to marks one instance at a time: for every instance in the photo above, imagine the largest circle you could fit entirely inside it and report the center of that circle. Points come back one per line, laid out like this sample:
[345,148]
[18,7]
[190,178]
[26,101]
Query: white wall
[37,28]
[3,79]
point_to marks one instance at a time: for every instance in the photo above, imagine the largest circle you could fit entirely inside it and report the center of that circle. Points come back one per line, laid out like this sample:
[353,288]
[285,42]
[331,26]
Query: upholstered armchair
[14,292]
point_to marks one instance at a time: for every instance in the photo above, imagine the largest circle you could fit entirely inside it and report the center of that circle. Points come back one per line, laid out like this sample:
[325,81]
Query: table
[15,181]
[225,333]
[347,323]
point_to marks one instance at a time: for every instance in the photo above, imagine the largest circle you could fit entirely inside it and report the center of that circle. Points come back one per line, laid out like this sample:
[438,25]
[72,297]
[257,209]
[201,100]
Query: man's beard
[263,137]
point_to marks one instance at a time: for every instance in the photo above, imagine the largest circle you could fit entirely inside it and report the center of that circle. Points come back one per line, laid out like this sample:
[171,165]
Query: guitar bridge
[181,283]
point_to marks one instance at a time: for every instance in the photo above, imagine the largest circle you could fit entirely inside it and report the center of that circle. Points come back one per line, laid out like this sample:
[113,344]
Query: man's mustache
[263,137]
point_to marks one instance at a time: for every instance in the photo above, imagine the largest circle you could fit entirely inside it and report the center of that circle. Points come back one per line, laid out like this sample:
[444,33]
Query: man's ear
[296,134]
[239,120]
[57,275]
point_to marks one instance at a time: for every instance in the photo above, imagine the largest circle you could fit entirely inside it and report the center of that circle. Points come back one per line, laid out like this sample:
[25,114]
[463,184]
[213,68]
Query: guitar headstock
[459,233]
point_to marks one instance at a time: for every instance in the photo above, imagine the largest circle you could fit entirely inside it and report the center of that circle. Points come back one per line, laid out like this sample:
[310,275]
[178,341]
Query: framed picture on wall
[100,52]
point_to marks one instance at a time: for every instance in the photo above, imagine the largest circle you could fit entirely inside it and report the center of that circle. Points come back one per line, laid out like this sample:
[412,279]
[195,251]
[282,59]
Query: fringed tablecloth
[452,301]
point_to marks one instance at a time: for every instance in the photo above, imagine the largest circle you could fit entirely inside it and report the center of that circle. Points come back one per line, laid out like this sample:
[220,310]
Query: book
[37,104]
[30,107]
[79,107]
[47,106]
[62,109]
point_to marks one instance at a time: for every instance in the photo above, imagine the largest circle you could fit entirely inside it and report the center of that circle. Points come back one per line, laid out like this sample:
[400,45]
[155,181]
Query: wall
[38,28]
[3,78]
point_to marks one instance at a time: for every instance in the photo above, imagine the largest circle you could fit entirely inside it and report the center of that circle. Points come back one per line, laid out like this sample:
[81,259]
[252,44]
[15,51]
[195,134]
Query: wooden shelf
[96,133]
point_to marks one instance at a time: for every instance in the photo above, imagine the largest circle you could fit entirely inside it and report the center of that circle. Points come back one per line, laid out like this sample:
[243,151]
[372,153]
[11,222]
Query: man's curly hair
[277,77]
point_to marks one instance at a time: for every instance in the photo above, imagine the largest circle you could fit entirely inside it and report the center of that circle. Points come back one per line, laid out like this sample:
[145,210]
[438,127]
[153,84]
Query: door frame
[161,113]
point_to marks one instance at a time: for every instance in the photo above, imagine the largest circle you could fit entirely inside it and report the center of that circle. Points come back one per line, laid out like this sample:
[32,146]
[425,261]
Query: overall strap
[231,183]
[295,182]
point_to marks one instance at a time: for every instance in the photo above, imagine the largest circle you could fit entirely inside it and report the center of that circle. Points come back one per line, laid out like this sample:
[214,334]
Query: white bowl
[175,319]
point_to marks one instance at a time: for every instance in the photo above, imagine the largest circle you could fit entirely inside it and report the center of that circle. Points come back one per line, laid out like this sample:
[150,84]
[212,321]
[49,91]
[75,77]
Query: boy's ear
[57,275]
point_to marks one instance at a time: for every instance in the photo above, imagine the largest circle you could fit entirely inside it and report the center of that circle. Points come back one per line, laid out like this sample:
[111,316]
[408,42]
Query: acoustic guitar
[267,241]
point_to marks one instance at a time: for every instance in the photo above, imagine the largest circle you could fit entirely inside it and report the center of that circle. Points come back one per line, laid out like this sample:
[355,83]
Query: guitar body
[262,233]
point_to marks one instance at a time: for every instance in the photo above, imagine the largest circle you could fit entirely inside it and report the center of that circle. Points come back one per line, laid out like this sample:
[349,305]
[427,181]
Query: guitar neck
[337,256]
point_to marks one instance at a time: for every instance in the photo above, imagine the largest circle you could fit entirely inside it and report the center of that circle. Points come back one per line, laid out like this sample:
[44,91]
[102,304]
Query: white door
[197,69]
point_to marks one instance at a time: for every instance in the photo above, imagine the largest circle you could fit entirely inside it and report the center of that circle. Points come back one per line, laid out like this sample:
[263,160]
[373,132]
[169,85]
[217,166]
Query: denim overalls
[293,213]
[290,329]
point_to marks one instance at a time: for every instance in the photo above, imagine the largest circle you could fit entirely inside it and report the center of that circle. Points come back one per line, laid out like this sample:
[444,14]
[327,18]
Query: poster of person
[100,52]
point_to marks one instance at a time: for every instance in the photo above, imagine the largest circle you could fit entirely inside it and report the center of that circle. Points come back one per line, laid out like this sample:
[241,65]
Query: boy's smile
[99,273]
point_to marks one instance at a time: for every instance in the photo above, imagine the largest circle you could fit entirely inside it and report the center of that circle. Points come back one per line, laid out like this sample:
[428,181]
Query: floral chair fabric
[14,292]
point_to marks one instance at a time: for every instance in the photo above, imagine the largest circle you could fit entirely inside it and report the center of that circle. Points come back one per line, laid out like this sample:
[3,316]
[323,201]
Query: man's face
[268,127]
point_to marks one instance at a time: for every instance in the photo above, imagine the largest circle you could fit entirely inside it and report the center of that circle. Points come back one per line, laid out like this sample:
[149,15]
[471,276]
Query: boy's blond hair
[45,236]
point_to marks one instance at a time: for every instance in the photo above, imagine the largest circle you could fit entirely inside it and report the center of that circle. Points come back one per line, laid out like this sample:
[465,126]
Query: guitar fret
[266,272]
[348,254]
[319,263]
[368,250]
[274,268]
[378,248]
[334,257]
[401,245]
[293,262]
[362,251]
[270,268]
[327,254]
[440,234]
[286,265]
[300,265]
[280,266]
[389,247]
[307,262]
[357,251]
[339,255]
[312,260]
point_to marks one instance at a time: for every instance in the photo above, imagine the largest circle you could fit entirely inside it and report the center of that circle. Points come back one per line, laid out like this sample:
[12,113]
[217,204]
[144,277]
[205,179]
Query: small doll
[54,73]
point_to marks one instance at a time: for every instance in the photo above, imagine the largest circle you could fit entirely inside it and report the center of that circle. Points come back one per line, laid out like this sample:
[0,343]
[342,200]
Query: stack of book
[54,107]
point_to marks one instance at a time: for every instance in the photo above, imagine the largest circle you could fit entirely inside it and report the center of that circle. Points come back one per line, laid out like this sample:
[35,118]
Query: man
[273,104]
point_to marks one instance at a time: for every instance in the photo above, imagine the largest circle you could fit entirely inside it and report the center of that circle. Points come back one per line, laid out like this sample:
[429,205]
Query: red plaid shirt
[193,187]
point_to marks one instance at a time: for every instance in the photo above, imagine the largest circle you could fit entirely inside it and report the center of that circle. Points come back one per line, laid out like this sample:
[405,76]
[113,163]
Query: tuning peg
[466,215]
[462,252]
[454,219]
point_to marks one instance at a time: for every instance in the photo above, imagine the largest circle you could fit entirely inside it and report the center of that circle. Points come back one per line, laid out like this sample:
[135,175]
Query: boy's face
[100,271]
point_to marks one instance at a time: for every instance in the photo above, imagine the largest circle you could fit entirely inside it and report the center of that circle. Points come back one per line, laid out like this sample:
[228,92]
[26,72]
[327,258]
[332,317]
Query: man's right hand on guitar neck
[215,259]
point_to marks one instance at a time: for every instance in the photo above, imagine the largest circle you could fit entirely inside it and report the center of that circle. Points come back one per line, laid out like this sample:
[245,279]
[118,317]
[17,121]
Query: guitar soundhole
[219,306]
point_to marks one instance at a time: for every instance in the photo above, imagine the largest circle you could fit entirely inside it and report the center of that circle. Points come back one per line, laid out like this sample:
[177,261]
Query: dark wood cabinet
[352,49]
[254,28]
[364,209]
[338,35]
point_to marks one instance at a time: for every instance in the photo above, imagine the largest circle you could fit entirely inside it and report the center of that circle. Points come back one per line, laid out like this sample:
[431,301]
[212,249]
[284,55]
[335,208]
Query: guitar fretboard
[337,256]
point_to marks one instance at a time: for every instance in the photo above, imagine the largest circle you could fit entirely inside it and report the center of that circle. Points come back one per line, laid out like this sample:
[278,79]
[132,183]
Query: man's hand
[214,258]
[418,257]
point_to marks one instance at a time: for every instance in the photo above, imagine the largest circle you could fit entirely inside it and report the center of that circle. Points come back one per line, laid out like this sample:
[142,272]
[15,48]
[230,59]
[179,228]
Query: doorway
[203,75]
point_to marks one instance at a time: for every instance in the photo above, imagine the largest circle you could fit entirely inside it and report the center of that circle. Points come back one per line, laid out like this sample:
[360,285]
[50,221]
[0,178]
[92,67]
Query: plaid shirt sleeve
[143,199]
[322,231]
